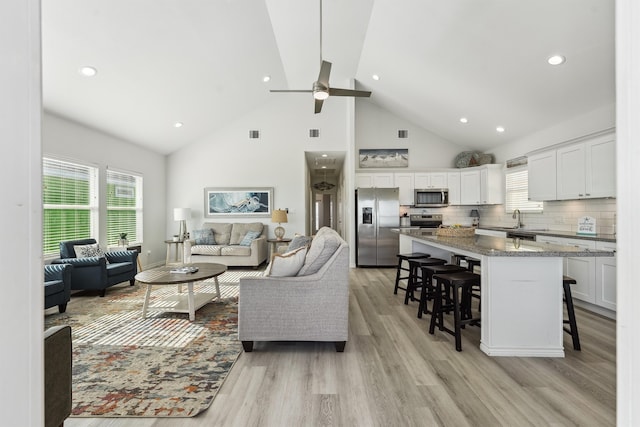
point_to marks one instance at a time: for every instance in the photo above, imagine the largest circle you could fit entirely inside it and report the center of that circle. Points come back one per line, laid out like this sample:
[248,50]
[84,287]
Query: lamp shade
[181,214]
[279,216]
[474,213]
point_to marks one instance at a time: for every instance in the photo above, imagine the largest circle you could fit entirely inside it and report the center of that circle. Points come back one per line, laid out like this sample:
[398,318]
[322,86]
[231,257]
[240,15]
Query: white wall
[73,141]
[228,158]
[378,128]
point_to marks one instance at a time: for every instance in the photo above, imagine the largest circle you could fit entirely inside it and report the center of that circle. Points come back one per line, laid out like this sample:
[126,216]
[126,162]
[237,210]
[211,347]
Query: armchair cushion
[57,285]
[323,247]
[298,242]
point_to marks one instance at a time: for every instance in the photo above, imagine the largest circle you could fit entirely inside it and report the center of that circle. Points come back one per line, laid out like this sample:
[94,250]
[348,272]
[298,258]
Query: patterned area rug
[161,366]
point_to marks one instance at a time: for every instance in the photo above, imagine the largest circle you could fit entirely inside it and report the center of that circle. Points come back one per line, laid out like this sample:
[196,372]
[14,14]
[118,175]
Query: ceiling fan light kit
[320,88]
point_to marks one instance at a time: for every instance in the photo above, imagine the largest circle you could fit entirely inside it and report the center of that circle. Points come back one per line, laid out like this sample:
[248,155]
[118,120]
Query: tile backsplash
[556,215]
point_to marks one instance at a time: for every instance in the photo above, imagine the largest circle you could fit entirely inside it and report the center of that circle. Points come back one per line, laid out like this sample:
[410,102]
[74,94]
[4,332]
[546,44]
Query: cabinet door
[606,267]
[491,185]
[438,179]
[383,180]
[453,184]
[364,180]
[583,270]
[470,187]
[570,171]
[422,180]
[542,176]
[404,182]
[600,168]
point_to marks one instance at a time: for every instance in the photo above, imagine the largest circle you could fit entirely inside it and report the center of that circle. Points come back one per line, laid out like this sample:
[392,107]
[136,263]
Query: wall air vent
[314,133]
[403,133]
[254,134]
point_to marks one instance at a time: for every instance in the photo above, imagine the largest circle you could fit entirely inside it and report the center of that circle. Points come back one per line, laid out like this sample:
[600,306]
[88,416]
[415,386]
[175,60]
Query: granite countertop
[565,234]
[499,246]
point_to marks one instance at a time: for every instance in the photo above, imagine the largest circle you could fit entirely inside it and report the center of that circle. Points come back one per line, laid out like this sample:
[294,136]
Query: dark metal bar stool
[415,275]
[456,259]
[428,290]
[456,286]
[573,326]
[405,258]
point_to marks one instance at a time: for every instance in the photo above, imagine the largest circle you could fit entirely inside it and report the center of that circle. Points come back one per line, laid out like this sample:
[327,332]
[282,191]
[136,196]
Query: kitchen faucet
[516,214]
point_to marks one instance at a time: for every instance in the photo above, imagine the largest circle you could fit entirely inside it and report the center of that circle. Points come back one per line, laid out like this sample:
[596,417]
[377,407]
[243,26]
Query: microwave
[431,197]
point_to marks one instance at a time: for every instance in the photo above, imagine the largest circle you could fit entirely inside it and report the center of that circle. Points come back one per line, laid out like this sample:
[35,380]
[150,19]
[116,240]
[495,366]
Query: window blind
[124,206]
[517,191]
[69,203]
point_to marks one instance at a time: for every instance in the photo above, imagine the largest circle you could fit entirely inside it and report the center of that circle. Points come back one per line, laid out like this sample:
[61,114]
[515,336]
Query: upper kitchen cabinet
[453,184]
[482,185]
[431,180]
[542,176]
[404,182]
[374,180]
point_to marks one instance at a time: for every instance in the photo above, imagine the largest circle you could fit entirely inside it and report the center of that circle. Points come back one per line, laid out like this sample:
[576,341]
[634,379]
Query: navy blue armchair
[95,273]
[57,286]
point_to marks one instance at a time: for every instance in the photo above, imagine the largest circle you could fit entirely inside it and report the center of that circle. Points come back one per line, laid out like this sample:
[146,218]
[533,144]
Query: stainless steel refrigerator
[377,212]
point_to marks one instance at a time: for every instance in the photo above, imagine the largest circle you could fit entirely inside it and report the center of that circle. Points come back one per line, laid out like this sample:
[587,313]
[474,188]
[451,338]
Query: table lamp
[279,216]
[182,215]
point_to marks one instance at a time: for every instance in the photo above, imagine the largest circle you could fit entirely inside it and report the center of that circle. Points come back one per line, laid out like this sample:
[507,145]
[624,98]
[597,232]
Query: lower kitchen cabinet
[606,290]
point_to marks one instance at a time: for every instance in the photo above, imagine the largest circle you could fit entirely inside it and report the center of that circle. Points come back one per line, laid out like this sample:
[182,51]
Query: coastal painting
[384,158]
[238,201]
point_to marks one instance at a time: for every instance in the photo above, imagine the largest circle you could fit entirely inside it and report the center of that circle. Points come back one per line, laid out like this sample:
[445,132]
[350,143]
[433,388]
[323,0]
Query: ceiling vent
[314,133]
[254,134]
[403,133]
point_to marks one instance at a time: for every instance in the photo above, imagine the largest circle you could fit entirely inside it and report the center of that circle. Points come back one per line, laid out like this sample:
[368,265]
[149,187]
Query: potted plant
[123,240]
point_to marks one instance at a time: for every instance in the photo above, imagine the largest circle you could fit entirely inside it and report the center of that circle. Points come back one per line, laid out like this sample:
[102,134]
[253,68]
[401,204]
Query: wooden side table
[273,245]
[137,248]
[178,249]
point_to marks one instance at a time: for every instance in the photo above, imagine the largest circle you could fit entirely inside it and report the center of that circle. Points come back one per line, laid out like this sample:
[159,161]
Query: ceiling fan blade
[348,92]
[282,90]
[318,103]
[325,70]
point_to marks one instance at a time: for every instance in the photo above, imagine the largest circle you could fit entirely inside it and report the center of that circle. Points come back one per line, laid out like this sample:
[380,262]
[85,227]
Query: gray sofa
[312,306]
[227,249]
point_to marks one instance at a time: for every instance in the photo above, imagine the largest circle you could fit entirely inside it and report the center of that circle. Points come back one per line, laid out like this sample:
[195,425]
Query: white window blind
[124,206]
[517,191]
[69,198]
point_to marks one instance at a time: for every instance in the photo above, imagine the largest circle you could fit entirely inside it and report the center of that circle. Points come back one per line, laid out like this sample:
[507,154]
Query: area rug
[161,366]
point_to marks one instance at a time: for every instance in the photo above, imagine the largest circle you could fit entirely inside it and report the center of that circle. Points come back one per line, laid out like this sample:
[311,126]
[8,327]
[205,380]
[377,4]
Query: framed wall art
[384,158]
[238,201]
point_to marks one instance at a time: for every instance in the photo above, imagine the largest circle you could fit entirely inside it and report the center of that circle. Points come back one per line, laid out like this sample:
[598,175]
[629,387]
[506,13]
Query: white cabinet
[453,184]
[542,176]
[482,185]
[374,180]
[405,183]
[587,170]
[583,270]
[606,267]
[431,180]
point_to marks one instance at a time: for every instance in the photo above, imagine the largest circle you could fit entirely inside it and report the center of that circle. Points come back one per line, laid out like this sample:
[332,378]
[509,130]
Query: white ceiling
[201,62]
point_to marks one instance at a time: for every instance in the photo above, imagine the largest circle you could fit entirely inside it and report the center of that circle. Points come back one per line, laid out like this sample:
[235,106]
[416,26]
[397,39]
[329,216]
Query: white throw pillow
[88,251]
[287,264]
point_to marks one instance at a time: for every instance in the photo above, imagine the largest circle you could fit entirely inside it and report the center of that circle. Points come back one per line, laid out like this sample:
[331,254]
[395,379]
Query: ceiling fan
[320,88]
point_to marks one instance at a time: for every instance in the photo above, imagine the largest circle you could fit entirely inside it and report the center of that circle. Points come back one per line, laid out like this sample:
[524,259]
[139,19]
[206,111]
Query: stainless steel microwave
[431,197]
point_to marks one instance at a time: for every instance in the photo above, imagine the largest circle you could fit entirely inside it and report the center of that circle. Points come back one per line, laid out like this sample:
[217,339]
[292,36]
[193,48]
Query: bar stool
[416,280]
[458,285]
[573,326]
[457,259]
[428,290]
[405,258]
[472,263]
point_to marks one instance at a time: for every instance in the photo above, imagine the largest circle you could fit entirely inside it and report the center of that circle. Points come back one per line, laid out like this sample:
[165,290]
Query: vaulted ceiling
[202,62]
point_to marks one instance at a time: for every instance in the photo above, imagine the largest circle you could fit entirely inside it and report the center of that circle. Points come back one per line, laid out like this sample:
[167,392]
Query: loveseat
[231,244]
[57,285]
[310,305]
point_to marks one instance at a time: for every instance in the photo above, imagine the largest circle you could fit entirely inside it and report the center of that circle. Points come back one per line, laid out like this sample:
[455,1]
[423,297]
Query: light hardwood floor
[393,373]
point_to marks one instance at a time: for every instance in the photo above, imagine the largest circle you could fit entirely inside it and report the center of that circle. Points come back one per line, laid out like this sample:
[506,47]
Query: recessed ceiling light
[464,120]
[375,77]
[324,167]
[266,78]
[499,129]
[178,124]
[325,155]
[88,71]
[556,60]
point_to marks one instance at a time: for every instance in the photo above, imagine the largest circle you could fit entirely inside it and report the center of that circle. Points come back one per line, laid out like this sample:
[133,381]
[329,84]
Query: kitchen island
[522,307]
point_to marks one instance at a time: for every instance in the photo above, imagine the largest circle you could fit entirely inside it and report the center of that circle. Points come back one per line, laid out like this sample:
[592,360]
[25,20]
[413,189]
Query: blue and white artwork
[238,201]
[384,158]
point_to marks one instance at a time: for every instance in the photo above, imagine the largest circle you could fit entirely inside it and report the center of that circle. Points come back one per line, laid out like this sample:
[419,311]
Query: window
[517,191]
[124,206]
[69,198]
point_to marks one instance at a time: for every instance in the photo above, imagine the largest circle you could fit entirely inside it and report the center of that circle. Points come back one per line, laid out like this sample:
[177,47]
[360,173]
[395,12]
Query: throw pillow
[250,237]
[287,265]
[298,242]
[89,251]
[204,237]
